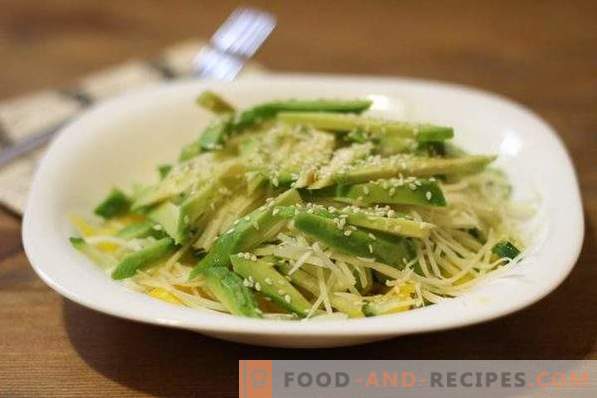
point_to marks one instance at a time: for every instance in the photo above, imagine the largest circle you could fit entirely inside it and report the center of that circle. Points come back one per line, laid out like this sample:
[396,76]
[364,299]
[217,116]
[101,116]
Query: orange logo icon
[255,379]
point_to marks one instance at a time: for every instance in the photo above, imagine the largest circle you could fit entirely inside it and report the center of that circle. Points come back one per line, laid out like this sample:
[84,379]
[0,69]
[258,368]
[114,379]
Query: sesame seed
[257,286]
[428,195]
[287,298]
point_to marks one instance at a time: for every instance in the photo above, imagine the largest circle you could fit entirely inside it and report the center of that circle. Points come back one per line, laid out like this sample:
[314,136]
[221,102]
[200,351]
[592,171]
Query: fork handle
[30,143]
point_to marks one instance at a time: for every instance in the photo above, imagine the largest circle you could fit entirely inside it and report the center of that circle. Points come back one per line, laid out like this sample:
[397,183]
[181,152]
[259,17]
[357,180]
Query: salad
[307,209]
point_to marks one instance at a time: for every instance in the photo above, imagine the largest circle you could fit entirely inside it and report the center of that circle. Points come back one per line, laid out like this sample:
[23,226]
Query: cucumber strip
[396,251]
[163,170]
[398,165]
[375,127]
[115,204]
[257,227]
[264,278]
[229,289]
[505,249]
[143,258]
[214,103]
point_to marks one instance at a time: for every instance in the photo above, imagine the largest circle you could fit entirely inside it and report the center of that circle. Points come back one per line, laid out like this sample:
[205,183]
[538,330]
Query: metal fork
[229,49]
[237,40]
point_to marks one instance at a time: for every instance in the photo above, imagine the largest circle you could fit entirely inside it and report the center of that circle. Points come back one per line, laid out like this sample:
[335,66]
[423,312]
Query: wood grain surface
[540,53]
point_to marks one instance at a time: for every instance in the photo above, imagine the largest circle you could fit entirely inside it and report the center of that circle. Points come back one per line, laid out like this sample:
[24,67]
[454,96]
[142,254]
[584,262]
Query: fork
[229,49]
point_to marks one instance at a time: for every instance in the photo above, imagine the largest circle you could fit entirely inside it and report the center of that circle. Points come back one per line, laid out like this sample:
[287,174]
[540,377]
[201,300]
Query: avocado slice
[285,156]
[406,165]
[214,103]
[229,289]
[393,191]
[143,258]
[384,305]
[216,134]
[341,158]
[182,178]
[264,278]
[168,216]
[372,126]
[391,225]
[141,229]
[178,219]
[392,250]
[255,228]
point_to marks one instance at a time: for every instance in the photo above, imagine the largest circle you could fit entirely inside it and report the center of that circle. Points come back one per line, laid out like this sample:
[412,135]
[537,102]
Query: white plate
[123,140]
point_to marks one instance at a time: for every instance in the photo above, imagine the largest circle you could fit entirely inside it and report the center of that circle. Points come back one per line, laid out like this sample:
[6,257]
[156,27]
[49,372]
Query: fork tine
[243,32]
[239,37]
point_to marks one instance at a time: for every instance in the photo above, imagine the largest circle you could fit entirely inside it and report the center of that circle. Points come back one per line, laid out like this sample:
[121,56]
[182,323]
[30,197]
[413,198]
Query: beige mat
[31,113]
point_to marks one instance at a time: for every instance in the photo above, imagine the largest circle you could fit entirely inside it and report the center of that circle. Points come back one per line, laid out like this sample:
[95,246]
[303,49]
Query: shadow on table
[171,362]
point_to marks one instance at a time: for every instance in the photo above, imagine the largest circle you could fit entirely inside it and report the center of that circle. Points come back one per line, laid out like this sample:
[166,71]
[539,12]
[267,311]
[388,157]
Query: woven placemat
[25,115]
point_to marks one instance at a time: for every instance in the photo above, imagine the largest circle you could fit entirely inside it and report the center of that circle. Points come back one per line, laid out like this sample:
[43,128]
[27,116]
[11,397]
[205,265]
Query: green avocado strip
[143,258]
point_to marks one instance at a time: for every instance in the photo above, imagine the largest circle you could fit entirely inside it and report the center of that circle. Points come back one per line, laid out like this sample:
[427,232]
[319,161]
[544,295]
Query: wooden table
[542,54]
